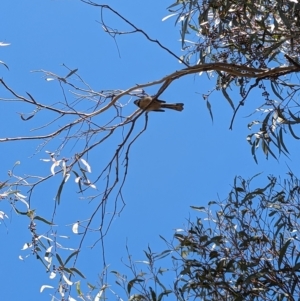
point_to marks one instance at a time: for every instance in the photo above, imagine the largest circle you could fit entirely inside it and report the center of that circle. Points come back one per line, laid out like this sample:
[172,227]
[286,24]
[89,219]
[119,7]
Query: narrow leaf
[274,89]
[169,16]
[1,62]
[166,292]
[42,220]
[208,105]
[72,72]
[78,288]
[131,283]
[228,98]
[73,254]
[26,118]
[297,119]
[59,260]
[88,167]
[78,272]
[292,132]
[31,97]
[283,252]
[69,282]
[281,140]
[45,286]
[57,198]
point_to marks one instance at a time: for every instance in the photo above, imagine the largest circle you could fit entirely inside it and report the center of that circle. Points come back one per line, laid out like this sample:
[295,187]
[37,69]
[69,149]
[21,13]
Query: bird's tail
[173,106]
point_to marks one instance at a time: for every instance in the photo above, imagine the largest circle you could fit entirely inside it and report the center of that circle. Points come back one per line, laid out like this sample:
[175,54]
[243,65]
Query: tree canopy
[245,247]
[248,247]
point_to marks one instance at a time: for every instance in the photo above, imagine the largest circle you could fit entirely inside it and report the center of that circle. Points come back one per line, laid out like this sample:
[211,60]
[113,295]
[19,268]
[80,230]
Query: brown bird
[149,104]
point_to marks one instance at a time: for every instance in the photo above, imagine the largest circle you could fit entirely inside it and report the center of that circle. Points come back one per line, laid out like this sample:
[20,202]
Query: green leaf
[281,140]
[266,148]
[184,30]
[153,294]
[253,150]
[272,213]
[174,4]
[297,119]
[3,184]
[39,258]
[162,254]
[78,290]
[57,198]
[201,209]
[26,118]
[31,97]
[73,254]
[77,272]
[279,228]
[282,252]
[20,212]
[193,27]
[163,238]
[212,203]
[72,72]
[296,267]
[91,286]
[59,260]
[1,62]
[208,105]
[79,182]
[166,292]
[132,282]
[292,132]
[68,270]
[217,239]
[42,220]
[228,98]
[274,89]
[161,271]
[116,273]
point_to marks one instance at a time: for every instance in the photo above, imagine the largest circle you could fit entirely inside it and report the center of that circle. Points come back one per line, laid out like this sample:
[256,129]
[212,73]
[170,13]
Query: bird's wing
[161,101]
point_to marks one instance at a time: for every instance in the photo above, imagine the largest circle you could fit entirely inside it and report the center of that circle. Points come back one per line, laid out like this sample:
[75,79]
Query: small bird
[150,104]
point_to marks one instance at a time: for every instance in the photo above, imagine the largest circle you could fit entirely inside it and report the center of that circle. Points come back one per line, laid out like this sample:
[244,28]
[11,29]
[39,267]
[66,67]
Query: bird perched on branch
[149,103]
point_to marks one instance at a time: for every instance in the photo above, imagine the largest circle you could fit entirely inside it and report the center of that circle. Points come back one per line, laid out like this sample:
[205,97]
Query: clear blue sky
[181,160]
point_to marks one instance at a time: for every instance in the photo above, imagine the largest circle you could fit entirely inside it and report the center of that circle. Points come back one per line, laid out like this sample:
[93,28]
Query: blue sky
[182,159]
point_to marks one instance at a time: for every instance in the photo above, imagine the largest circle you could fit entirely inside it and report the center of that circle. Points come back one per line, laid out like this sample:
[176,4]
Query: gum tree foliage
[245,247]
[241,46]
[259,42]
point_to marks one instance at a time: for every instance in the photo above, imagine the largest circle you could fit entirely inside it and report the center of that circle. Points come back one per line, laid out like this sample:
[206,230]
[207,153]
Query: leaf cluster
[249,34]
[243,248]
[239,31]
[249,250]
